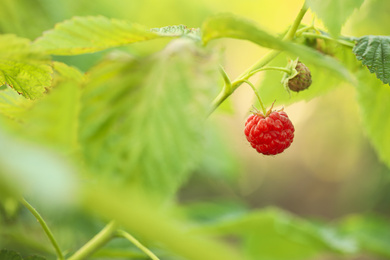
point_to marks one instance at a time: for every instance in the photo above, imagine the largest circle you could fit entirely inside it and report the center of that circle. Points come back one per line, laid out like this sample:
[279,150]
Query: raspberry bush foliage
[112,145]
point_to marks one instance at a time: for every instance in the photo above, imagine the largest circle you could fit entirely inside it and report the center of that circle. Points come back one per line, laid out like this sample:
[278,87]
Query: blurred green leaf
[141,120]
[24,70]
[334,13]
[373,52]
[372,233]
[33,171]
[90,34]
[374,102]
[140,215]
[12,104]
[236,27]
[277,235]
[10,255]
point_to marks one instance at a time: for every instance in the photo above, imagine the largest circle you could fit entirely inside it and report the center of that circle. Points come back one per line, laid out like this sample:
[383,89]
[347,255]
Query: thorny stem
[99,240]
[133,240]
[226,92]
[45,228]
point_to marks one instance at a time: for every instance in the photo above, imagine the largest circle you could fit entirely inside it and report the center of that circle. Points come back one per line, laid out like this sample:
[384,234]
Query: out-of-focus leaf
[235,27]
[140,215]
[12,104]
[34,171]
[372,233]
[334,13]
[142,119]
[10,255]
[90,34]
[374,102]
[374,52]
[274,234]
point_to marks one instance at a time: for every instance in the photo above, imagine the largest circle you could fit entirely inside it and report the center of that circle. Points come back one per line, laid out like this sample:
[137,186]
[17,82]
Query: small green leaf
[9,255]
[334,13]
[239,28]
[26,71]
[90,34]
[374,52]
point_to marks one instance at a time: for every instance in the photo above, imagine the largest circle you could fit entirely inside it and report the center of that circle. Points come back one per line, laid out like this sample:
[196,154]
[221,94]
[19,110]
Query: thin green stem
[260,63]
[129,237]
[325,37]
[268,68]
[257,95]
[45,228]
[99,240]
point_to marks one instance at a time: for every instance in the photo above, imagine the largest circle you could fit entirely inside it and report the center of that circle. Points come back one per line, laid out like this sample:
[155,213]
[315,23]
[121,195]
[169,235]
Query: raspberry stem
[269,68]
[257,95]
[228,90]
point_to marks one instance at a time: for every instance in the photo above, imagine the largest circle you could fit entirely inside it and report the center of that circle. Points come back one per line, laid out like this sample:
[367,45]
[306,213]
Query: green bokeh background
[330,171]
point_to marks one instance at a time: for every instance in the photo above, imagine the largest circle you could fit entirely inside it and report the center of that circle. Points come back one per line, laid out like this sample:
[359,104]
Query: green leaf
[235,27]
[13,105]
[374,52]
[277,235]
[226,25]
[141,120]
[90,34]
[9,255]
[374,102]
[334,13]
[371,232]
[24,70]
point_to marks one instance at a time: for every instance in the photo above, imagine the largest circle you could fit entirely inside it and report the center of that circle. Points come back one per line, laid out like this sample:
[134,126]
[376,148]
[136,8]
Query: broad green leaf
[334,13]
[26,71]
[277,235]
[235,27]
[10,255]
[374,52]
[374,102]
[141,120]
[178,31]
[90,34]
[61,105]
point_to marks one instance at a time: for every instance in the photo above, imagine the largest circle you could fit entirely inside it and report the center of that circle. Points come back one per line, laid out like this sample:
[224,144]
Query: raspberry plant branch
[124,234]
[45,227]
[325,37]
[99,240]
[268,57]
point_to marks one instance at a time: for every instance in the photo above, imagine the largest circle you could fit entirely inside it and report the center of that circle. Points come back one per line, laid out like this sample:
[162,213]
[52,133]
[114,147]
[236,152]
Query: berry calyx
[269,134]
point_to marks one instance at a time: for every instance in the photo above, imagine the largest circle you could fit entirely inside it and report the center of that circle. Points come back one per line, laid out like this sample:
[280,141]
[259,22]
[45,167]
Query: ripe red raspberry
[270,134]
